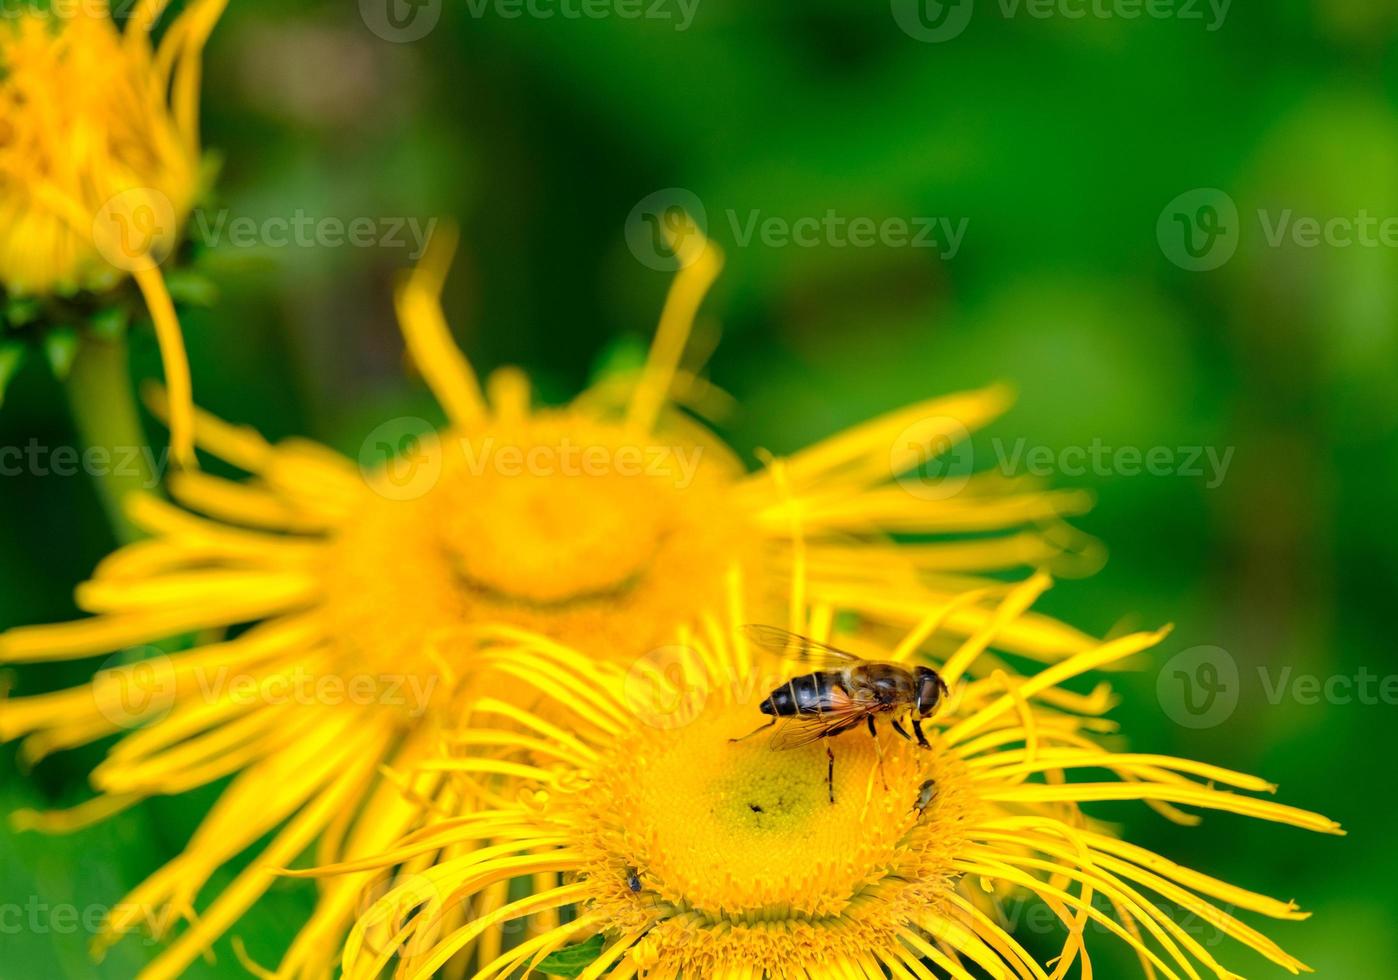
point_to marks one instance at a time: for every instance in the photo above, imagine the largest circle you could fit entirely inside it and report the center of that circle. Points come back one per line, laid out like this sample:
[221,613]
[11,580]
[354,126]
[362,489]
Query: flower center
[556,523]
[742,832]
[541,528]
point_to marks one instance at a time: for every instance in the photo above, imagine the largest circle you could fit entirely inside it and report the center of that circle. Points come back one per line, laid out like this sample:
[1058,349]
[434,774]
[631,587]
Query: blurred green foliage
[1058,140]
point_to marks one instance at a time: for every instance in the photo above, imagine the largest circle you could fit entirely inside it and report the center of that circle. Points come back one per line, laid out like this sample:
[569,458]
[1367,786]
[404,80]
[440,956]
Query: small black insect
[925,794]
[633,880]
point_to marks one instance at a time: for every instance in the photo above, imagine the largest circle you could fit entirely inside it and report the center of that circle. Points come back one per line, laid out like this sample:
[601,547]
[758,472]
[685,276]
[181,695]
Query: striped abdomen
[809,694]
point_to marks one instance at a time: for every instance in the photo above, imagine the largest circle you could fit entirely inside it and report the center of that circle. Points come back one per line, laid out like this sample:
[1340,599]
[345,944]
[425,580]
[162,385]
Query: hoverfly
[843,691]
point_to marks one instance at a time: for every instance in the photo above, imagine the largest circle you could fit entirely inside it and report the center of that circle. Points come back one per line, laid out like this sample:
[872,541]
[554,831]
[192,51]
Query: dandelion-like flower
[675,852]
[99,157]
[356,595]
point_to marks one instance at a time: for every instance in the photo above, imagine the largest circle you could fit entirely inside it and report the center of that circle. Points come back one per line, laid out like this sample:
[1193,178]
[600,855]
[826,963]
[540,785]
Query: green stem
[104,411]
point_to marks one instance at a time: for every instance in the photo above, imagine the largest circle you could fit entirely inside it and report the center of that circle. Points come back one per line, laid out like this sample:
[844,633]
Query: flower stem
[104,410]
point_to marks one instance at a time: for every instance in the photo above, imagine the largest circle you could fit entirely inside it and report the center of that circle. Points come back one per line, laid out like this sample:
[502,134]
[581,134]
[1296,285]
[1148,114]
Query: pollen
[690,855]
[556,523]
[617,527]
[741,832]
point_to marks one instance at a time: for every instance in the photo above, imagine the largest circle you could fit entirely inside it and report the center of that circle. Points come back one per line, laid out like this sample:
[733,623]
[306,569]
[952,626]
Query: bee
[843,692]
[633,880]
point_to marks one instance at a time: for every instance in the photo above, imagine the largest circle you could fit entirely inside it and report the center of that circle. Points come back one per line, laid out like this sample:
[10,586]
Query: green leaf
[572,960]
[11,357]
[625,355]
[191,288]
[61,346]
[110,322]
[20,310]
[210,166]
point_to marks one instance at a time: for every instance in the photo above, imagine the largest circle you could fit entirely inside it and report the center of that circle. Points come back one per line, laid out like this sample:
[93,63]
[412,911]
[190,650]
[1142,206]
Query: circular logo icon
[391,902]
[136,229]
[401,459]
[932,458]
[1199,687]
[135,687]
[933,20]
[666,228]
[1199,230]
[662,688]
[400,21]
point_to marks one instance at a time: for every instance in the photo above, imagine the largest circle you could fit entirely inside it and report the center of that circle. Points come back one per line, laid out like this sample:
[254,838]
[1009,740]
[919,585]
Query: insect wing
[794,646]
[803,730]
[845,712]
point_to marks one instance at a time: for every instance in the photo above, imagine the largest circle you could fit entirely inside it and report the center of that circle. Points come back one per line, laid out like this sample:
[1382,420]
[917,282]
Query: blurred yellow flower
[682,854]
[606,525]
[99,157]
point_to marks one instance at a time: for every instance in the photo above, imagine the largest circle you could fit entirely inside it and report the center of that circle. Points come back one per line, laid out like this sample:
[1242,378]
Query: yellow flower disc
[739,841]
[557,524]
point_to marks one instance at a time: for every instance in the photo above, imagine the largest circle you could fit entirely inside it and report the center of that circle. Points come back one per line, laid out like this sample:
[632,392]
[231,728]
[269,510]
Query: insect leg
[898,727]
[759,728]
[878,751]
[921,738]
[830,773]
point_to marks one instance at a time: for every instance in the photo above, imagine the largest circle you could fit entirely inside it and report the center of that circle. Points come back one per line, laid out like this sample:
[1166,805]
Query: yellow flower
[606,525]
[99,157]
[682,854]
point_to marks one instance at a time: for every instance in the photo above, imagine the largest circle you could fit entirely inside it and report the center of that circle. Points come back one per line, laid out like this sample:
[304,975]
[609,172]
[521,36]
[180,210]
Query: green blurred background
[1059,140]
